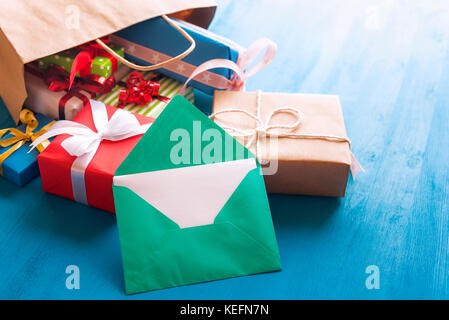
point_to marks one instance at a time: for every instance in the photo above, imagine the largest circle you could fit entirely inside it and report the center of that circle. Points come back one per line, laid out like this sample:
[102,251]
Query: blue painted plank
[389,62]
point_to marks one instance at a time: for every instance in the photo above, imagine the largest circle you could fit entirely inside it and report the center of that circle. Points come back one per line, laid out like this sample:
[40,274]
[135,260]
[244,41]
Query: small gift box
[300,139]
[213,64]
[17,164]
[59,104]
[96,60]
[81,161]
[199,219]
[49,94]
[153,102]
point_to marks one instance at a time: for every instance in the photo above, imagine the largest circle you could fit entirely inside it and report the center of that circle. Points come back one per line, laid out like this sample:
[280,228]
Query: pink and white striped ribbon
[190,71]
[241,71]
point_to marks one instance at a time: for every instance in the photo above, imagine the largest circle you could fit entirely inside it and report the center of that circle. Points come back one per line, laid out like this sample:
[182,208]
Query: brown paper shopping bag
[33,29]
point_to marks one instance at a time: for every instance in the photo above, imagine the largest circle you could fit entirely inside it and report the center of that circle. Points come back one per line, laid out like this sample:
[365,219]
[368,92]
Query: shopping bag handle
[157,65]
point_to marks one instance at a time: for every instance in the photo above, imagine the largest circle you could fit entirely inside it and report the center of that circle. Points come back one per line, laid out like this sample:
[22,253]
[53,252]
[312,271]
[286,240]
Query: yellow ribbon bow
[19,138]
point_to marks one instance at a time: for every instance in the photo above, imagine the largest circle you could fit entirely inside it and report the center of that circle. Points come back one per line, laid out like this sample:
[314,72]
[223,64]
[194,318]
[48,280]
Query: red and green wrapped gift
[67,80]
[96,61]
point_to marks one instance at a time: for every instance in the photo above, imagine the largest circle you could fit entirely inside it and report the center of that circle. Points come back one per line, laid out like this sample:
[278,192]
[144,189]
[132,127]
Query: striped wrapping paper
[169,88]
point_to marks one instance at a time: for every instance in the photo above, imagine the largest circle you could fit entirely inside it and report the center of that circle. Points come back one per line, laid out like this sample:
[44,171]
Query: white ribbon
[84,142]
[266,129]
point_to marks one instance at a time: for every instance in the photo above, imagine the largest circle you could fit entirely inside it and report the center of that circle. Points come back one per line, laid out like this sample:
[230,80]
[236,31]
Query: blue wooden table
[389,62]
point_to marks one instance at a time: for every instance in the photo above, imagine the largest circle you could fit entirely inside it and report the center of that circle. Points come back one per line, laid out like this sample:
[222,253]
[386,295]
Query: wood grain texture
[389,62]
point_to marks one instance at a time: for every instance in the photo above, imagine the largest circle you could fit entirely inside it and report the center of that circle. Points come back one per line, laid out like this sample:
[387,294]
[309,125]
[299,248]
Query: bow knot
[84,140]
[92,48]
[57,79]
[237,83]
[139,91]
[83,62]
[19,138]
[263,128]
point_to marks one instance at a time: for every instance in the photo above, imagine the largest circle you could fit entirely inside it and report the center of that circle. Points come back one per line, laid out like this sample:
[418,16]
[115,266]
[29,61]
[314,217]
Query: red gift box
[55,163]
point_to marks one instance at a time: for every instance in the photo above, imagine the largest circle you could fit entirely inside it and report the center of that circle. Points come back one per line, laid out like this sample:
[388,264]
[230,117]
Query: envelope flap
[255,208]
[184,136]
[173,193]
[137,217]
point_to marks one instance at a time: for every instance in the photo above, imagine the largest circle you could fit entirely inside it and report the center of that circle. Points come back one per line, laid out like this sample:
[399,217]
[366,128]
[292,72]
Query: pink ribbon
[208,78]
[241,71]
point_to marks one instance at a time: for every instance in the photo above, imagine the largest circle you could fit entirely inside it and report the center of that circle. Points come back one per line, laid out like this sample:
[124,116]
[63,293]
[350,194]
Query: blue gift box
[21,167]
[203,101]
[156,34]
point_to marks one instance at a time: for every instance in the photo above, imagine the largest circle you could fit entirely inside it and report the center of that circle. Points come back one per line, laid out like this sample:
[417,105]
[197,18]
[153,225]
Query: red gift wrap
[55,163]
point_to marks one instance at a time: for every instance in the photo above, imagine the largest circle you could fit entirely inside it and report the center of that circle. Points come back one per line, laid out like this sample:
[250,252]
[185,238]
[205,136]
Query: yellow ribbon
[19,138]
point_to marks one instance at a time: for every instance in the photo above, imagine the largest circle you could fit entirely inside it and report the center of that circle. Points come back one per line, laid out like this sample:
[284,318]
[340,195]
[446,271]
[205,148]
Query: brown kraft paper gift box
[309,166]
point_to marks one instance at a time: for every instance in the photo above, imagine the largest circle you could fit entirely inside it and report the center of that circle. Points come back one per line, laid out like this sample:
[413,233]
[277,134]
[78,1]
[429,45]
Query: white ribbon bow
[84,142]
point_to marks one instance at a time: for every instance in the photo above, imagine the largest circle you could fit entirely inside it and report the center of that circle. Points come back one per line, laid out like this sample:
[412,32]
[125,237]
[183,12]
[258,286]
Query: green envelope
[191,206]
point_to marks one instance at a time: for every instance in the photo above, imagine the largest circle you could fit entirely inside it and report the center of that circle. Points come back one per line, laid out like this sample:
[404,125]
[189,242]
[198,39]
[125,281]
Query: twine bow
[19,138]
[265,129]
